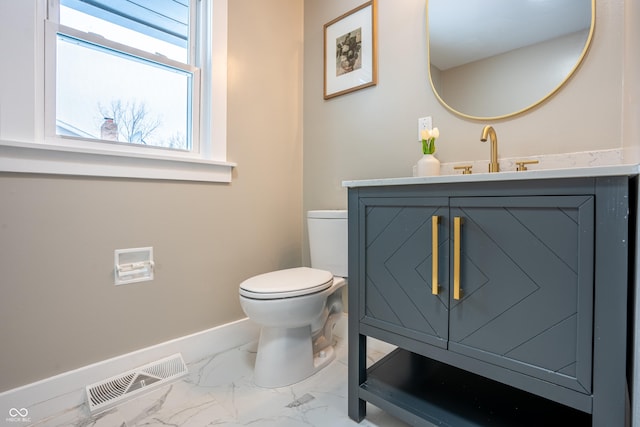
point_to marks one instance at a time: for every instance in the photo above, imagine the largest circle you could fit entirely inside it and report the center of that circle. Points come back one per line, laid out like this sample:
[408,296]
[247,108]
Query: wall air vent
[115,390]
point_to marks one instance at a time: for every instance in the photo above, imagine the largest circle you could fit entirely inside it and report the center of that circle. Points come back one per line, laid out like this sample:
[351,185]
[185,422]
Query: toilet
[297,308]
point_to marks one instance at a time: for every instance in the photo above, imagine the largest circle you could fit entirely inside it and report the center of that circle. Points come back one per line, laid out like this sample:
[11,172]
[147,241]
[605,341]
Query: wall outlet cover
[424,123]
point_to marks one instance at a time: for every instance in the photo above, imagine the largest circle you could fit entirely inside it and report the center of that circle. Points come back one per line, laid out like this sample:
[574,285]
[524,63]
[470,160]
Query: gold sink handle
[466,169]
[522,165]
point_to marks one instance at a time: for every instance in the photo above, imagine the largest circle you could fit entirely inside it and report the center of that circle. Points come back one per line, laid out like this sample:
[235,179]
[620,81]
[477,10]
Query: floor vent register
[115,390]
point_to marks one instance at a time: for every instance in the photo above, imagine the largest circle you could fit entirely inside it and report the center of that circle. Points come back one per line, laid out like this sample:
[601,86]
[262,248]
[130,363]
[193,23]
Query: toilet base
[285,356]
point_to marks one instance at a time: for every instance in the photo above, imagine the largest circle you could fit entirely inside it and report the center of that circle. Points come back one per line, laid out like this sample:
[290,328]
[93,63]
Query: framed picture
[350,51]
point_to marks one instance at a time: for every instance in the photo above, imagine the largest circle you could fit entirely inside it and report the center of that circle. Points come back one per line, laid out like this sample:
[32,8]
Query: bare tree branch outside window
[135,125]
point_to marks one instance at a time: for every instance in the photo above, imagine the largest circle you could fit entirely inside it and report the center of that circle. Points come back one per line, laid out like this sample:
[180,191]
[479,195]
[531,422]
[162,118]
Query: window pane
[99,89]
[161,26]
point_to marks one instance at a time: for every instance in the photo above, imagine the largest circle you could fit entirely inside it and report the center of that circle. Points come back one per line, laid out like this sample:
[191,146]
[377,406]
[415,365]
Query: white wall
[20,33]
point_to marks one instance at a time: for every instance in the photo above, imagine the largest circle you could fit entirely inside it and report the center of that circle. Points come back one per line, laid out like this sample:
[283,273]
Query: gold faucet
[488,131]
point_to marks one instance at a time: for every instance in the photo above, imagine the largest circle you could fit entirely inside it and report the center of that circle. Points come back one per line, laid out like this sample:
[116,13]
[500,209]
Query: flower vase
[428,165]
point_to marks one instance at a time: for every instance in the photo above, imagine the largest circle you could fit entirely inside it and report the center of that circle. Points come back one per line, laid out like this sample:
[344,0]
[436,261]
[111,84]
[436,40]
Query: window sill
[42,158]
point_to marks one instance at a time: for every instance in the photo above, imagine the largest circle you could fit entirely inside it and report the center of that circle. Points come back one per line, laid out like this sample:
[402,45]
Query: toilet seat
[287,283]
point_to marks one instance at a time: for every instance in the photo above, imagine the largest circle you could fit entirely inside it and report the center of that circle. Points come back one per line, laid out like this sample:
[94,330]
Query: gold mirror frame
[553,91]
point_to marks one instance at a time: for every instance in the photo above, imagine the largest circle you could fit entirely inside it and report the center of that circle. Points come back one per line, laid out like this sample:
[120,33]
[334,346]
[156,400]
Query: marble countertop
[579,172]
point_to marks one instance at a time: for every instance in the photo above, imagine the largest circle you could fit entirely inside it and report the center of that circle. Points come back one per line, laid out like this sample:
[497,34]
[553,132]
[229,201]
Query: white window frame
[50,153]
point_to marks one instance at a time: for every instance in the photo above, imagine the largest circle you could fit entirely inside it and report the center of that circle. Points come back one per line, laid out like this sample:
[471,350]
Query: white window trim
[210,164]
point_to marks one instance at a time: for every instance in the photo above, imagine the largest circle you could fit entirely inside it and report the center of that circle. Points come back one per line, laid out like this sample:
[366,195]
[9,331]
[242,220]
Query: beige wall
[59,309]
[631,87]
[512,81]
[372,133]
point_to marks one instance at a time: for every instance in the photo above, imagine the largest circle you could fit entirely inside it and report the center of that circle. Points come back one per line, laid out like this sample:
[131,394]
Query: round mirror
[493,59]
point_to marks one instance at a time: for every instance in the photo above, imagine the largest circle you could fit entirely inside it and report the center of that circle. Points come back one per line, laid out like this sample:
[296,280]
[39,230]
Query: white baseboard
[67,390]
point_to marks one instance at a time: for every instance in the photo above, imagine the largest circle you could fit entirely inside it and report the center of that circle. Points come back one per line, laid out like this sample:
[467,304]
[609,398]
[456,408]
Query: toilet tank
[328,240]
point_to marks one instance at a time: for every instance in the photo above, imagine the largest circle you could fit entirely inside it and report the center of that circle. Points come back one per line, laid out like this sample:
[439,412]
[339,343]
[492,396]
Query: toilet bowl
[297,308]
[296,334]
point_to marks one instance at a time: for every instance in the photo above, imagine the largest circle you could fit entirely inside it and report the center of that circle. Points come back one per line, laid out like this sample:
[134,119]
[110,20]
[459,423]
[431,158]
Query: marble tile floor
[219,392]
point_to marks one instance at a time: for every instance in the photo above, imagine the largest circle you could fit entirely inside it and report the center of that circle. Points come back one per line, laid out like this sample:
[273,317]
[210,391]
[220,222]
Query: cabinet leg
[357,409]
[357,375]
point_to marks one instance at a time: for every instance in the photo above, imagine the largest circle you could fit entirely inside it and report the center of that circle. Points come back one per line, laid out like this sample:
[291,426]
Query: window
[139,79]
[123,72]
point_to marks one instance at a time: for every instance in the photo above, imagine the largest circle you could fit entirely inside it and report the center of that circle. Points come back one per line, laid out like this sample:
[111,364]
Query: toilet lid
[286,283]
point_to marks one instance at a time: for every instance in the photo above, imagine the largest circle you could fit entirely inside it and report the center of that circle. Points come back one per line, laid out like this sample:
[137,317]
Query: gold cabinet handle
[435,220]
[457,223]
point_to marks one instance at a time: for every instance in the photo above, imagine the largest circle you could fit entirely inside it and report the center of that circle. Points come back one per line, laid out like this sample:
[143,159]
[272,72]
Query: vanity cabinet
[507,301]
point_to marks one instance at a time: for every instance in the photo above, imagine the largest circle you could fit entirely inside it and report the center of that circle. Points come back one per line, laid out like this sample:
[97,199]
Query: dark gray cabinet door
[526,273]
[396,249]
